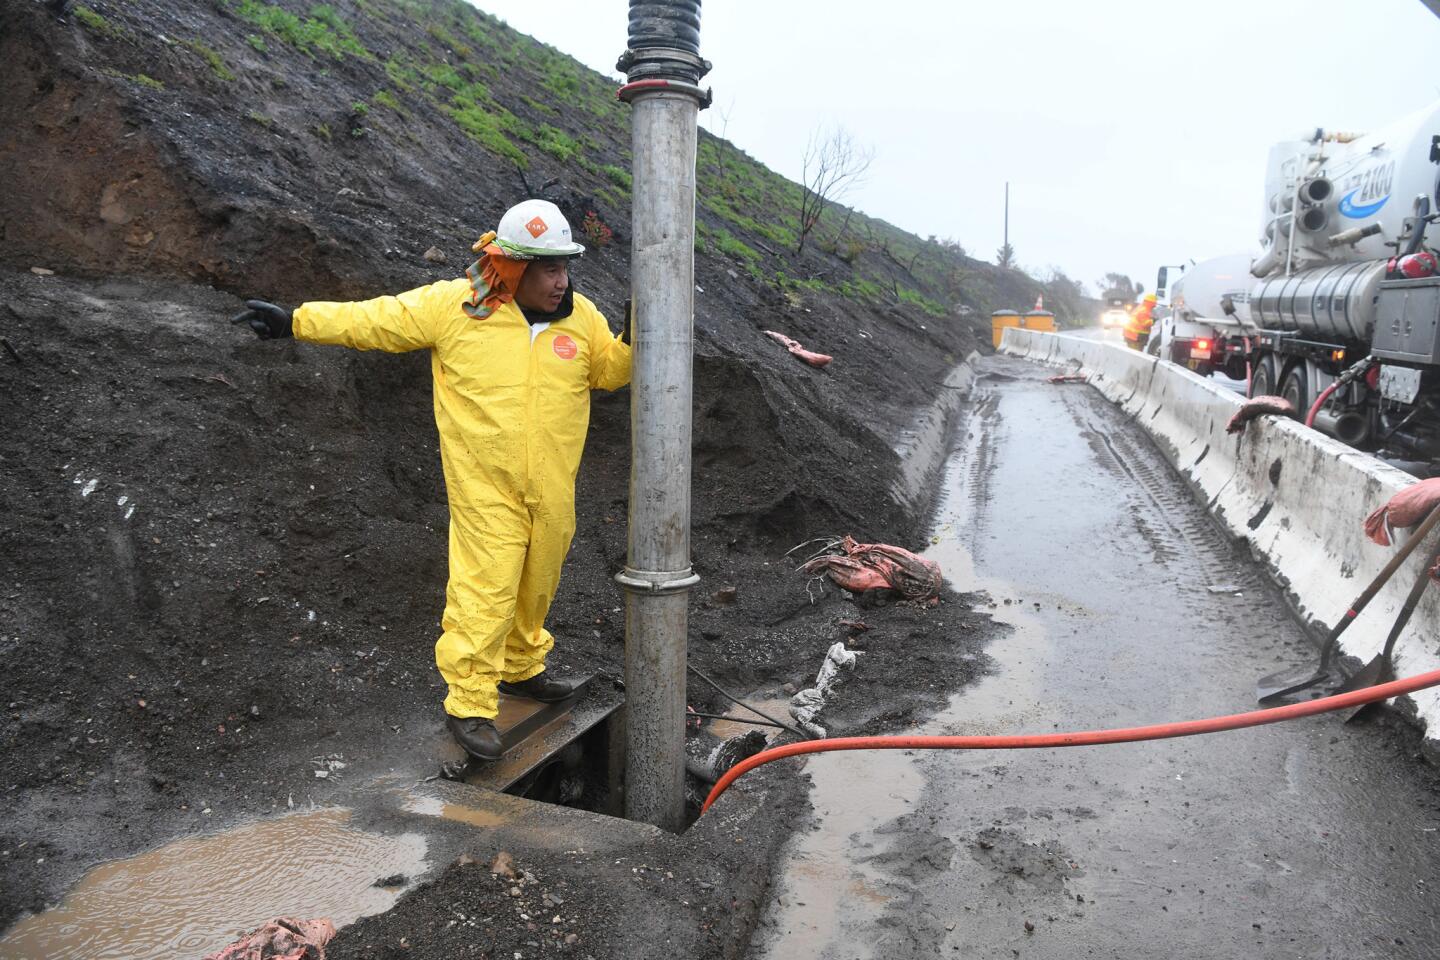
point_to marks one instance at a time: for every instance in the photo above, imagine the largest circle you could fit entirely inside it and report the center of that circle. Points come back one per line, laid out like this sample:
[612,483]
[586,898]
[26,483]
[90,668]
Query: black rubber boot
[477,735]
[540,687]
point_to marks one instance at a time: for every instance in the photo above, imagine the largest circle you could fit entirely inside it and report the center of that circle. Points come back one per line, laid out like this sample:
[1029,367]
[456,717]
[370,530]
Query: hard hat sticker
[564,347]
[536,226]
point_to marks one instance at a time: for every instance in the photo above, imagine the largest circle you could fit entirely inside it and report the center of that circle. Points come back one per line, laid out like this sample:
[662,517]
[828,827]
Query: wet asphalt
[1127,606]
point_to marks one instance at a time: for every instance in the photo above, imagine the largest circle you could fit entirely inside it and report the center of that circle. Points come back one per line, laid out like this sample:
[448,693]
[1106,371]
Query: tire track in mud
[1216,580]
[988,430]
[1200,559]
[1178,528]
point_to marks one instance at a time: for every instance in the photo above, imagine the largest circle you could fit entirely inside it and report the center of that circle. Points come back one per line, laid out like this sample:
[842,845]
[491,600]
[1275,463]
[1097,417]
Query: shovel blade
[1279,687]
[1375,672]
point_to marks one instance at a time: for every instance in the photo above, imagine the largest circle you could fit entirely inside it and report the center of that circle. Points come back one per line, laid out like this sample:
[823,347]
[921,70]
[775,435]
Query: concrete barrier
[1296,496]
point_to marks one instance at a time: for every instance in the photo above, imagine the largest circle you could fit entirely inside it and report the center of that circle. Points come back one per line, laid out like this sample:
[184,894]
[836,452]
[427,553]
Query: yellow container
[1001,319]
[1039,320]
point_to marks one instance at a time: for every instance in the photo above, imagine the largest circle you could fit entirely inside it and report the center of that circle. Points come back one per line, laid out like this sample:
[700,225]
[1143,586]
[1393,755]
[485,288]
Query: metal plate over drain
[533,732]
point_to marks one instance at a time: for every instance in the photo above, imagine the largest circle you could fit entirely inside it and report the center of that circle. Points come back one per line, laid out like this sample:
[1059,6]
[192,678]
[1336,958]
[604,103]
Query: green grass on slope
[528,104]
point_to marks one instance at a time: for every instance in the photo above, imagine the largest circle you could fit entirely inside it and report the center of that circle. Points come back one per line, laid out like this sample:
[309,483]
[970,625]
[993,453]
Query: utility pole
[663,68]
[1006,245]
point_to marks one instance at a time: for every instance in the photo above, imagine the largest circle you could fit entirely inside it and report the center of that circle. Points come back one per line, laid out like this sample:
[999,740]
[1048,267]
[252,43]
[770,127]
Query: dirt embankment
[223,557]
[226,557]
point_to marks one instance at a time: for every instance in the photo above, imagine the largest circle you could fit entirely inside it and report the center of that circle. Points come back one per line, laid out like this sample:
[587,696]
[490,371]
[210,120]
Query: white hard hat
[536,228]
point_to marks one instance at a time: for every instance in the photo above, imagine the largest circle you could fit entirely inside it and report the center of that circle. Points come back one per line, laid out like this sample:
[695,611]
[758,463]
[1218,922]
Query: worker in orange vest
[1137,328]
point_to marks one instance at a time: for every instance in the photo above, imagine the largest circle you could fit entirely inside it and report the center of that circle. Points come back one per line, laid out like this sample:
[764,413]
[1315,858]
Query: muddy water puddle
[196,895]
[827,889]
[773,703]
[428,806]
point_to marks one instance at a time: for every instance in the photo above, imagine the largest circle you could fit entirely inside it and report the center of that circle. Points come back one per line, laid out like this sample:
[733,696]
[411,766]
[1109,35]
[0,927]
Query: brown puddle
[827,889]
[428,806]
[194,896]
[775,704]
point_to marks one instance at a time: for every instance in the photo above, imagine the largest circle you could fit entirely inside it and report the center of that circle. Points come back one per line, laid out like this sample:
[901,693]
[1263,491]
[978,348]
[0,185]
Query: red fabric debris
[860,567]
[814,359]
[1069,378]
[1406,509]
[284,938]
[1258,407]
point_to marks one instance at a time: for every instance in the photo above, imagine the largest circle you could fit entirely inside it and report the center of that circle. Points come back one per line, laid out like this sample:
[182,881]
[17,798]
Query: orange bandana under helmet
[494,278]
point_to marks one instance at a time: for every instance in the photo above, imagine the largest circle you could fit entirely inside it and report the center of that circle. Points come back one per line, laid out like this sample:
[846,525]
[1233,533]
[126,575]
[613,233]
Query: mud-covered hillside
[222,557]
[299,147]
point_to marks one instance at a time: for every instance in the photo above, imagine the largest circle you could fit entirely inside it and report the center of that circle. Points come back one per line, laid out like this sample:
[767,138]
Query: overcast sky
[1133,132]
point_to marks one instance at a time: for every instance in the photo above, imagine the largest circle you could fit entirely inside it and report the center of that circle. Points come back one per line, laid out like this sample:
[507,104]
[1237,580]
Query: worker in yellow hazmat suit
[514,354]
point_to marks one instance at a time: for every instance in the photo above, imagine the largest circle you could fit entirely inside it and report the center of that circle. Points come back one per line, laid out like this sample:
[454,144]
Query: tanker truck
[1189,336]
[1340,309]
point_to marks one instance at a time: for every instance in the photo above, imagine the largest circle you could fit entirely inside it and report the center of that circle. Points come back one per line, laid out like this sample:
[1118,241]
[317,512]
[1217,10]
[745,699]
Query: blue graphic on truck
[1370,191]
[1354,211]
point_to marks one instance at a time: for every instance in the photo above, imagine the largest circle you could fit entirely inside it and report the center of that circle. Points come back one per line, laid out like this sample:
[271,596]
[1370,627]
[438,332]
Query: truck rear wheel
[1262,376]
[1295,388]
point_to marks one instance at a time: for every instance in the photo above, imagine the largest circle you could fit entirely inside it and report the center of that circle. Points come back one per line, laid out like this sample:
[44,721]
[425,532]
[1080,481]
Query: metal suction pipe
[1347,426]
[1316,191]
[663,66]
[1313,219]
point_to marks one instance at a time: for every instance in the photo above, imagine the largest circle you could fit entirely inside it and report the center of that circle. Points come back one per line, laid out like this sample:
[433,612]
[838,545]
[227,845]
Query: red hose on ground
[1319,402]
[1089,738]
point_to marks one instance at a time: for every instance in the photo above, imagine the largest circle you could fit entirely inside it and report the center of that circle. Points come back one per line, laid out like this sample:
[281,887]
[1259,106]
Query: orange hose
[1089,738]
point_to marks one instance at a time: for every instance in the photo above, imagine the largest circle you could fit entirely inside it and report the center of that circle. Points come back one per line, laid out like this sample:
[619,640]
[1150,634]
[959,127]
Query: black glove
[267,320]
[625,328]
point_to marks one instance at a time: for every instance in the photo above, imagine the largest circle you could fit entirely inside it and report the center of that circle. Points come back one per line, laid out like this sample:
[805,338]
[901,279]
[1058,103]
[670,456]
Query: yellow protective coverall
[512,405]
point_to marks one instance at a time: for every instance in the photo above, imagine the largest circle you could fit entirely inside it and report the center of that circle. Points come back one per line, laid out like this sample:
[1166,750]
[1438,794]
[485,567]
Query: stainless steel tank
[1334,304]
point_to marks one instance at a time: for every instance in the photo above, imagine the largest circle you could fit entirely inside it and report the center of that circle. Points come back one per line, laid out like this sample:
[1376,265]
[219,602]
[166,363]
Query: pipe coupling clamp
[657,582]
[665,62]
[630,91]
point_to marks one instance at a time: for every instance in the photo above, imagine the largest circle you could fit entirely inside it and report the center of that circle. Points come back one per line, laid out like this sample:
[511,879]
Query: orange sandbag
[1259,406]
[1069,378]
[282,939]
[861,567]
[1406,509]
[814,359]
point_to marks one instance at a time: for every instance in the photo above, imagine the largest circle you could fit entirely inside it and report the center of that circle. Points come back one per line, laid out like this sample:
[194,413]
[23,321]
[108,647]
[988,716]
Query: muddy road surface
[1127,606]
